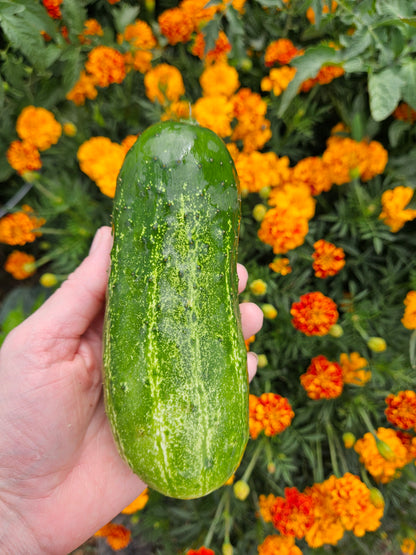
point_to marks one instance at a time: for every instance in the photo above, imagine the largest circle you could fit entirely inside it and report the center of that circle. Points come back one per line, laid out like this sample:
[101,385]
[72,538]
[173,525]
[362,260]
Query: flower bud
[70,129]
[269,311]
[258,287]
[377,344]
[48,280]
[262,361]
[376,498]
[241,490]
[259,212]
[227,549]
[271,467]
[349,439]
[265,192]
[336,331]
[385,450]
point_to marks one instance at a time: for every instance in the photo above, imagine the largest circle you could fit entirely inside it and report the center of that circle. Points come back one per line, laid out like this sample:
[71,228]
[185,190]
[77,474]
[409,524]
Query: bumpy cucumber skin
[175,375]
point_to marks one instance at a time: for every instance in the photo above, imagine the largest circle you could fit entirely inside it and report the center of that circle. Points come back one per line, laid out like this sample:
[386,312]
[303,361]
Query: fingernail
[96,241]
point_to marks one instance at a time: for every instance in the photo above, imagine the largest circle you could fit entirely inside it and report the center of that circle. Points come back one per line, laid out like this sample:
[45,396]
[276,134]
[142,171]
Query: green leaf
[307,66]
[385,89]
[124,16]
[74,15]
[9,8]
[408,75]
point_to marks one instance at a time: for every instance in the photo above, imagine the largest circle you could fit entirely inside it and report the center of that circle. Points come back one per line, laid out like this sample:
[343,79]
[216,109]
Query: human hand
[61,477]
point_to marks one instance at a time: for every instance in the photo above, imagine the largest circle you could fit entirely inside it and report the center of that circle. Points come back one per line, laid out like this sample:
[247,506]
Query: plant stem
[412,349]
[217,517]
[332,449]
[252,463]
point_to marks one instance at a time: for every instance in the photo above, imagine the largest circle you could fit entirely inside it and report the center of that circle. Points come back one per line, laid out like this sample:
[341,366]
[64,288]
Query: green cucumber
[175,365]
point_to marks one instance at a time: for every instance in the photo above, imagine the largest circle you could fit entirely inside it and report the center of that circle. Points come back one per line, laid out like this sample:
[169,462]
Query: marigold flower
[91,28]
[139,35]
[296,198]
[138,504]
[200,551]
[326,527]
[292,515]
[20,227]
[281,51]
[401,409]
[354,369]
[116,535]
[279,545]
[314,313]
[312,171]
[409,317]
[344,156]
[376,160]
[379,467]
[258,287]
[323,379]
[252,127]
[408,546]
[164,84]
[198,11]
[217,54]
[101,160]
[215,113]
[219,79]
[324,76]
[176,25]
[20,265]
[281,265]
[310,13]
[394,212]
[53,7]
[278,79]
[328,259]
[259,171]
[23,156]
[39,127]
[270,413]
[84,88]
[283,229]
[404,112]
[265,504]
[106,65]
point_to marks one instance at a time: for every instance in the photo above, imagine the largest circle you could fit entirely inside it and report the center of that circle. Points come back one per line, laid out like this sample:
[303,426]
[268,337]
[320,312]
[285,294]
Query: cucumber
[175,365]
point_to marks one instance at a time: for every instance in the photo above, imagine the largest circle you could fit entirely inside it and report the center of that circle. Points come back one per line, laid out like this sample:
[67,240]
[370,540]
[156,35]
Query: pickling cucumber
[175,366]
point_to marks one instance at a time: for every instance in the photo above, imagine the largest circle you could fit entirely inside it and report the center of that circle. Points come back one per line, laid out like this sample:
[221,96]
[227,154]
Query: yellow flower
[164,84]
[281,265]
[219,79]
[214,112]
[258,287]
[278,80]
[39,127]
[137,504]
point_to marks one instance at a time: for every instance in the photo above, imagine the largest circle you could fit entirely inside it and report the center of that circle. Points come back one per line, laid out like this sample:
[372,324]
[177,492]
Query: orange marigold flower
[217,54]
[326,527]
[409,317]
[383,468]
[314,313]
[328,259]
[252,127]
[137,504]
[200,551]
[260,170]
[101,160]
[214,112]
[219,79]
[394,212]
[344,158]
[91,28]
[297,198]
[284,229]
[176,25]
[376,160]
[270,413]
[139,60]
[179,110]
[20,265]
[312,171]
[401,409]
[20,227]
[199,12]
[23,157]
[265,505]
[139,34]
[84,88]
[53,7]
[279,545]
[404,112]
[278,79]
[354,369]
[408,546]
[106,65]
[38,126]
[164,84]
[281,265]
[292,514]
[117,536]
[281,51]
[323,379]
[310,13]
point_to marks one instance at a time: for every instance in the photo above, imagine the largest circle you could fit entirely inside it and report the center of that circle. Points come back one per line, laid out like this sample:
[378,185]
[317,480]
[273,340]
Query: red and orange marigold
[401,409]
[270,413]
[314,313]
[292,514]
[322,379]
[328,259]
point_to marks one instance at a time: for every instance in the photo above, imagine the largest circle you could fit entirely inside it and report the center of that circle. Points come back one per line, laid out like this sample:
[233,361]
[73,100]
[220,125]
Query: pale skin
[61,477]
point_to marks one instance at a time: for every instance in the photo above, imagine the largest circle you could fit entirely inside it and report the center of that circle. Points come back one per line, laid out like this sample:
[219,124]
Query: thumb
[71,309]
